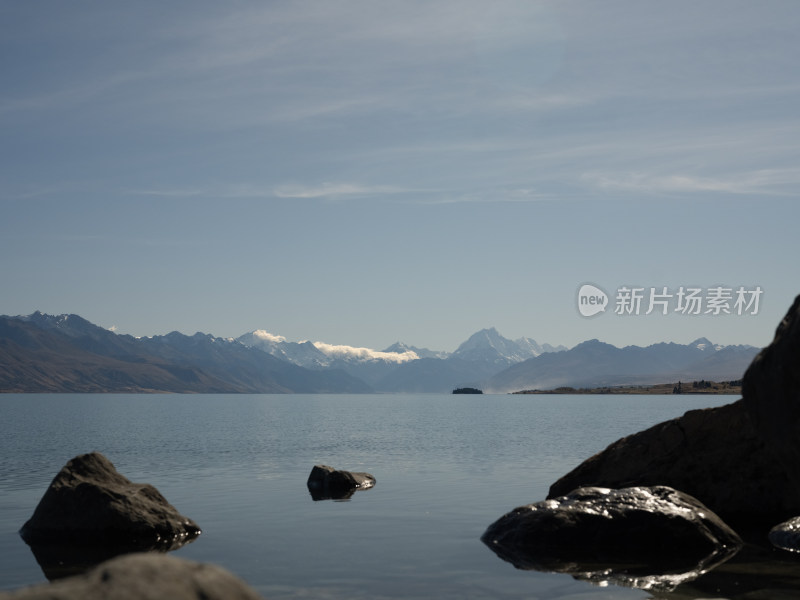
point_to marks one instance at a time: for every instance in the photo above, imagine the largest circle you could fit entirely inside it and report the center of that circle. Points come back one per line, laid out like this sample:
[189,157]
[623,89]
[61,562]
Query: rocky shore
[738,465]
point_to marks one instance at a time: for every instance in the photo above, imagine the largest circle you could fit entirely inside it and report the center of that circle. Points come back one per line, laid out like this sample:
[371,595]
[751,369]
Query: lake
[446,467]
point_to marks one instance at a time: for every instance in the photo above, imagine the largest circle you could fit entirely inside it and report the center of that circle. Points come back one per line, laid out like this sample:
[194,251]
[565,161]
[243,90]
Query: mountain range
[596,364]
[66,353]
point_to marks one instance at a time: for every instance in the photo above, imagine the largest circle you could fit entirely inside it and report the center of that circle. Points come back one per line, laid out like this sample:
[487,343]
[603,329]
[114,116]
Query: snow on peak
[363,354]
[704,344]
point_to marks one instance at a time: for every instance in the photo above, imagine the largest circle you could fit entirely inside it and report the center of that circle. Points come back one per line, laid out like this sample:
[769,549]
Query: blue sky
[363,172]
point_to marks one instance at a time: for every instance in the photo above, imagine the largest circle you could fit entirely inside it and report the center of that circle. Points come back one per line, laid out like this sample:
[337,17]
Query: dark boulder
[654,537]
[786,535]
[771,391]
[714,454]
[90,503]
[327,483]
[143,577]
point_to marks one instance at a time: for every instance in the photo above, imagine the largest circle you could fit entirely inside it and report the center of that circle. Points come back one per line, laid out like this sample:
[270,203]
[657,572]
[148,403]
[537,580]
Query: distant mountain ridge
[403,368]
[66,353]
[594,363]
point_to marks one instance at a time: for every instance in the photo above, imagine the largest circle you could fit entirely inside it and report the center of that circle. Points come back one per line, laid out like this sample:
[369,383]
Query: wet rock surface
[143,577]
[714,454]
[786,535]
[90,513]
[649,537]
[327,483]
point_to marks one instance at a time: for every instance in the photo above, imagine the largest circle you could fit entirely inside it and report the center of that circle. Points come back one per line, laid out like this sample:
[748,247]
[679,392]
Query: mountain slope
[65,353]
[401,348]
[594,363]
[36,360]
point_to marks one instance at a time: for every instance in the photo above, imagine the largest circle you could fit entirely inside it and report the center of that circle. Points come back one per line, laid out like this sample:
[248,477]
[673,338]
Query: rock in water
[89,502]
[327,483]
[143,577]
[713,454]
[771,391]
[786,535]
[640,531]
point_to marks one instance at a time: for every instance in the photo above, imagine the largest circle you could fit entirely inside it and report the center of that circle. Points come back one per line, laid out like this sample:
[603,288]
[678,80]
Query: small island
[467,390]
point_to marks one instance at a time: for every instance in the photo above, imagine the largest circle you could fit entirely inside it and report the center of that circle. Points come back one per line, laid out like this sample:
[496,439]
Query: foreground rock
[771,391]
[714,454]
[652,538]
[90,503]
[143,577]
[786,535]
[327,483]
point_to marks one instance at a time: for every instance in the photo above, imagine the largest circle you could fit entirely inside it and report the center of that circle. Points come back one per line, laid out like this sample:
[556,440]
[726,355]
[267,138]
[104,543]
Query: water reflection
[336,494]
[664,574]
[64,560]
[755,571]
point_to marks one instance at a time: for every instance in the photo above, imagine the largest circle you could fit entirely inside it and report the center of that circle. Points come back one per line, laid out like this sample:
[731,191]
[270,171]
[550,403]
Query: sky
[362,172]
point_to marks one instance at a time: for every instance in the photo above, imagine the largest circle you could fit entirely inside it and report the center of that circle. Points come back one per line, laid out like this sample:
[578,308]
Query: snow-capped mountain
[41,352]
[304,354]
[364,363]
[400,348]
[706,345]
[320,354]
[488,345]
[401,367]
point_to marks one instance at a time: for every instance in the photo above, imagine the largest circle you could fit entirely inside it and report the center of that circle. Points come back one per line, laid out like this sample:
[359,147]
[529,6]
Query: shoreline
[677,388]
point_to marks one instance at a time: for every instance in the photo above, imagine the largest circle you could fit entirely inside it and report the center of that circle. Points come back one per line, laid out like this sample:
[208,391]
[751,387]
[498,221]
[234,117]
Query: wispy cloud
[335,190]
[232,191]
[261,334]
[169,192]
[350,352]
[341,351]
[764,181]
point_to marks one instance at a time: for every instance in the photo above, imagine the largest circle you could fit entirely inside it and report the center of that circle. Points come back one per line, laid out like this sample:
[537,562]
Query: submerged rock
[90,503]
[327,483]
[648,537]
[143,577]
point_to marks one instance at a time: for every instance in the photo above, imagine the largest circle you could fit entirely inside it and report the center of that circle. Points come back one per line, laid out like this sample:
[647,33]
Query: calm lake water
[446,468]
